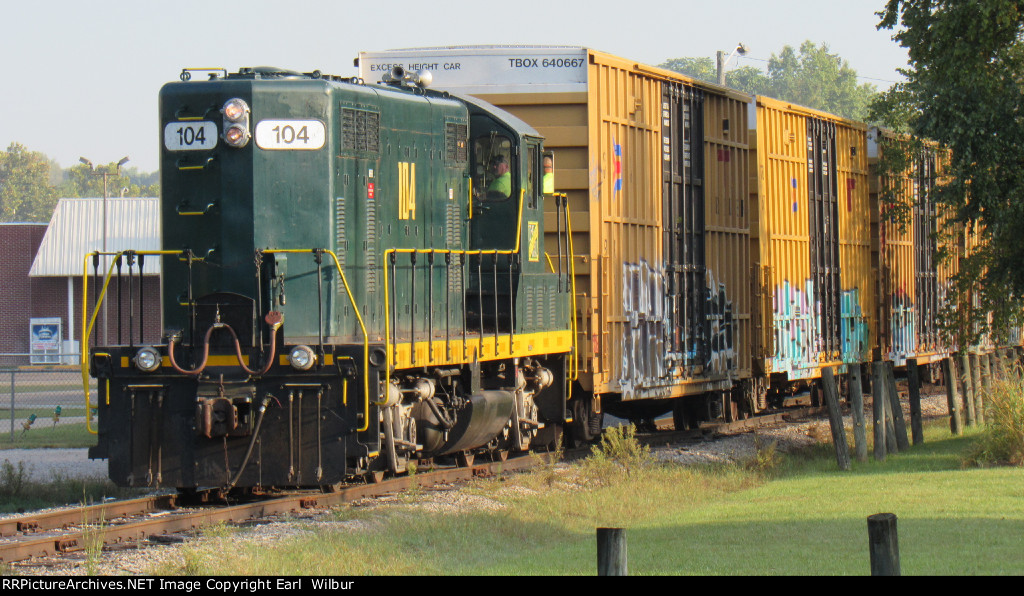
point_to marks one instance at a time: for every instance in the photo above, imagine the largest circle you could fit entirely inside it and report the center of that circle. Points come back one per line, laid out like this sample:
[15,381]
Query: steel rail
[26,547]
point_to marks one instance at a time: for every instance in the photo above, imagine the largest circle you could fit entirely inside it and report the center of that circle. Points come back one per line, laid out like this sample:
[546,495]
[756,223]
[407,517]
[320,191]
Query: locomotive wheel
[549,437]
[375,477]
[581,427]
[732,412]
[464,459]
[816,400]
[682,415]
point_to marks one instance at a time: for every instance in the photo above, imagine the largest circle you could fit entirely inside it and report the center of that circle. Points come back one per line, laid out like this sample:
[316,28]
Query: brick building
[20,298]
[41,271]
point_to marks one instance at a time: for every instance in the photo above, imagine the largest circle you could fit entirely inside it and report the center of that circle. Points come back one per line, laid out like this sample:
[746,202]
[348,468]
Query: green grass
[798,516]
[44,434]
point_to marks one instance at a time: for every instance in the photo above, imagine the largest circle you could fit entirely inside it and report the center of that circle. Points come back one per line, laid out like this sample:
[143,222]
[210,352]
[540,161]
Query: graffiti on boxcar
[644,345]
[721,352]
[902,322]
[596,177]
[795,328]
[647,356]
[855,331]
[798,339]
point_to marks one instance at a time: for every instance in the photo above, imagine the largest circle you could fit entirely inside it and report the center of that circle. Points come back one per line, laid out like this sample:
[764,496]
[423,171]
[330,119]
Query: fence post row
[856,387]
[914,388]
[835,417]
[952,397]
[878,409]
[896,410]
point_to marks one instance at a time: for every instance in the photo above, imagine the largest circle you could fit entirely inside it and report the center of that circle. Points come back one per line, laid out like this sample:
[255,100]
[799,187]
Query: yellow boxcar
[811,242]
[913,283]
[655,169]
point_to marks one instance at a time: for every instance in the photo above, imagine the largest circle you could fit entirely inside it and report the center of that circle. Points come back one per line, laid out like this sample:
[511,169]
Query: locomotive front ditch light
[235,109]
[302,357]
[147,359]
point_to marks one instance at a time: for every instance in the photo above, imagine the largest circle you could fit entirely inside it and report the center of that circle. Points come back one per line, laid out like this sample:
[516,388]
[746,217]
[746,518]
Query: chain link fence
[41,396]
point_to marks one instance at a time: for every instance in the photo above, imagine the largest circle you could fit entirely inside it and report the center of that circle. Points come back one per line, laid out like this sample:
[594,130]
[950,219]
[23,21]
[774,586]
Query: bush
[618,453]
[767,458]
[12,479]
[1002,441]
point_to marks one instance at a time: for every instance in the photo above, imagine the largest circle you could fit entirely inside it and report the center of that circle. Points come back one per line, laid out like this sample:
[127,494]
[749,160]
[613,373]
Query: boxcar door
[683,217]
[824,233]
[926,277]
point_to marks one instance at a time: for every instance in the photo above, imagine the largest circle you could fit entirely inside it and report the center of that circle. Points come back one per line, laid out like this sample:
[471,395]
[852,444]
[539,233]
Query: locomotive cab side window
[531,175]
[493,164]
[548,175]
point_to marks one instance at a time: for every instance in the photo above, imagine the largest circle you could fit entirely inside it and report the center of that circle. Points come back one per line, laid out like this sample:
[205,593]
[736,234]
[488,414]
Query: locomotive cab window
[492,167]
[548,172]
[531,175]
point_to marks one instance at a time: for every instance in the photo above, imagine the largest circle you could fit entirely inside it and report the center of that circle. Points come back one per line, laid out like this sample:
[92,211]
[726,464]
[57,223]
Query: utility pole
[722,61]
[106,174]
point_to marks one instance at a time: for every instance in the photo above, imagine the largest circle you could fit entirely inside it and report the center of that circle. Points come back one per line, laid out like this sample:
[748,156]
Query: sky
[83,77]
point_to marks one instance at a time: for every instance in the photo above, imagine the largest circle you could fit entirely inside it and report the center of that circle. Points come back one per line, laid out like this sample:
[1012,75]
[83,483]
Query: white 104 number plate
[291,134]
[190,136]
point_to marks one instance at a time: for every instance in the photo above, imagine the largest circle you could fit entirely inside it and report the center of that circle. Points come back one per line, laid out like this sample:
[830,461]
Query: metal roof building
[51,289]
[81,226]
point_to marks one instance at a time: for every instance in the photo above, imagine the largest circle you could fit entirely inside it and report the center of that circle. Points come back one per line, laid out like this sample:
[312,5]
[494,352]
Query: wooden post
[979,401]
[878,409]
[914,386]
[611,552]
[898,421]
[1000,364]
[986,373]
[884,545]
[952,398]
[835,417]
[965,382]
[856,388]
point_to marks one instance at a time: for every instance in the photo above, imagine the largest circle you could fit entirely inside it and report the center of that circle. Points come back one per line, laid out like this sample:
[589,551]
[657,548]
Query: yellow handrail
[572,275]
[87,327]
[362,327]
[388,348]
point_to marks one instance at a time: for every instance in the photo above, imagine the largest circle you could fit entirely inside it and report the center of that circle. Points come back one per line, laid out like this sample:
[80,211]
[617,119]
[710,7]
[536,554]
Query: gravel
[43,464]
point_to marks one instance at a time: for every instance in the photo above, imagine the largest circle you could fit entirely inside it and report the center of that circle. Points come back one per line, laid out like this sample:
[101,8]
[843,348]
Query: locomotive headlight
[236,135]
[302,357]
[147,359]
[235,109]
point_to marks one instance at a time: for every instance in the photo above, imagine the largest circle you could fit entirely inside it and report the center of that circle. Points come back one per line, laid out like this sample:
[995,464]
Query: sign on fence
[45,340]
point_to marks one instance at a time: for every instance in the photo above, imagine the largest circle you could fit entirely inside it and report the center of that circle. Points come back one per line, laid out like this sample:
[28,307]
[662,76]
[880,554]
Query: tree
[819,79]
[83,181]
[25,191]
[746,79]
[964,90]
[812,77]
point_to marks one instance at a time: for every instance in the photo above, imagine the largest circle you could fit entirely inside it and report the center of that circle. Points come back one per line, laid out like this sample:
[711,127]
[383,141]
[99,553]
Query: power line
[858,76]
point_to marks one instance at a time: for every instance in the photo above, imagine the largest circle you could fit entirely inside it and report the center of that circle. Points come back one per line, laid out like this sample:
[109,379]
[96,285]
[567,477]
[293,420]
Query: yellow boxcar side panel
[608,145]
[792,336]
[859,319]
[913,283]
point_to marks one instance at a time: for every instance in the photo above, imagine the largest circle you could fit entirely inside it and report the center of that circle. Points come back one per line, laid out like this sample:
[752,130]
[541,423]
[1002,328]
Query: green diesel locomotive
[354,278]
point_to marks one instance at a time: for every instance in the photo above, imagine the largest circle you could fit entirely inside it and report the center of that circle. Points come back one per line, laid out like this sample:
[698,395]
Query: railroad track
[121,523]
